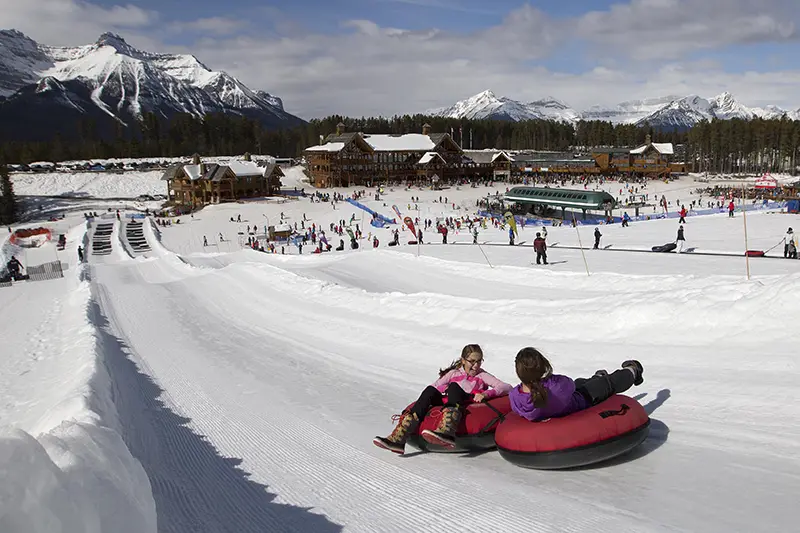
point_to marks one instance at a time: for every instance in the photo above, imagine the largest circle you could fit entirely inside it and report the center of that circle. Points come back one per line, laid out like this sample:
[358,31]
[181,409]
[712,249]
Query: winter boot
[637,368]
[396,442]
[445,434]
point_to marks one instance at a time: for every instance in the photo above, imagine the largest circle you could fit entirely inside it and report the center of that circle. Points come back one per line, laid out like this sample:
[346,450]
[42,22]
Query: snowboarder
[475,235]
[681,240]
[419,236]
[683,215]
[511,236]
[731,207]
[540,247]
[462,382]
[626,218]
[205,241]
[80,254]
[597,236]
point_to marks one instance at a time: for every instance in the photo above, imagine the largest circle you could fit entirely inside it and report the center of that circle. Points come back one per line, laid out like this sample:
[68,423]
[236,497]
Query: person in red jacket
[540,247]
[731,207]
[683,215]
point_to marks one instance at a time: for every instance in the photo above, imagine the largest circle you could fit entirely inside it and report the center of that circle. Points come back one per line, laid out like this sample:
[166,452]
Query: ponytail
[538,394]
[532,368]
[455,364]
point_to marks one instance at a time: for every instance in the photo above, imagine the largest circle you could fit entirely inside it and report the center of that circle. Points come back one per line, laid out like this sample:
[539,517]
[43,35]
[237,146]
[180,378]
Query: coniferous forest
[718,146]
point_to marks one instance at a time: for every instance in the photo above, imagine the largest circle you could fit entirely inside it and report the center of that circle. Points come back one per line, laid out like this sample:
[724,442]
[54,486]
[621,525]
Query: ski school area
[210,372]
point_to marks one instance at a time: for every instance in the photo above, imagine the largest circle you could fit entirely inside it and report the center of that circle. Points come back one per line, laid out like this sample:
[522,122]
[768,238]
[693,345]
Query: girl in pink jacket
[463,381]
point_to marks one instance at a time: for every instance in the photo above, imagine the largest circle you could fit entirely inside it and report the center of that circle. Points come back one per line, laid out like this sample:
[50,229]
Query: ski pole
[484,254]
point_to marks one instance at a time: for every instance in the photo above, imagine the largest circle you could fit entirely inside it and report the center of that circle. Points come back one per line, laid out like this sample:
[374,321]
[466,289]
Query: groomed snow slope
[292,364]
[248,386]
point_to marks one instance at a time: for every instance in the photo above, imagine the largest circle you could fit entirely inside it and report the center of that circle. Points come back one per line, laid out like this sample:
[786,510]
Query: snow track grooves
[195,488]
[249,406]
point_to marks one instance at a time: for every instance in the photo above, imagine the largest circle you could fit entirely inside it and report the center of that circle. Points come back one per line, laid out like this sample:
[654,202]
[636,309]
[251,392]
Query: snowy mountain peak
[487,105]
[117,43]
[124,82]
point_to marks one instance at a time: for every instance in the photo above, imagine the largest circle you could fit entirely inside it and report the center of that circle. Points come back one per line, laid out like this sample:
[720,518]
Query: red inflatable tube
[596,434]
[475,432]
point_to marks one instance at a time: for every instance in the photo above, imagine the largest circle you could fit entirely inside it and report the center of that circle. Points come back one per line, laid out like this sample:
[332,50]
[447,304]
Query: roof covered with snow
[246,168]
[328,147]
[193,171]
[409,142]
[661,148]
[428,157]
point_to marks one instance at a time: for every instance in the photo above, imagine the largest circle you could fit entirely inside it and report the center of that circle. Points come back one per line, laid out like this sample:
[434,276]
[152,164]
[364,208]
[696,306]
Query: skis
[550,263]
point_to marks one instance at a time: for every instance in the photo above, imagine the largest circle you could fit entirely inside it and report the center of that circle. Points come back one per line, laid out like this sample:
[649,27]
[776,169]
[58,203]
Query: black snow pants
[431,397]
[599,388]
[540,256]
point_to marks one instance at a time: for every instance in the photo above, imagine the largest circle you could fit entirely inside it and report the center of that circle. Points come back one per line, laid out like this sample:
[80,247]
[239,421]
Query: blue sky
[370,57]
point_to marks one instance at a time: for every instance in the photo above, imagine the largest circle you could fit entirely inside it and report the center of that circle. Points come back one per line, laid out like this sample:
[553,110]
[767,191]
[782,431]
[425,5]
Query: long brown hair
[465,353]
[532,368]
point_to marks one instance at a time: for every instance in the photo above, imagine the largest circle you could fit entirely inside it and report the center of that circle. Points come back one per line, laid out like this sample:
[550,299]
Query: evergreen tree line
[717,146]
[8,202]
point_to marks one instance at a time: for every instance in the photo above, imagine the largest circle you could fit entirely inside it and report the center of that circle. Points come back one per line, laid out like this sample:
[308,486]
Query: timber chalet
[202,183]
[347,159]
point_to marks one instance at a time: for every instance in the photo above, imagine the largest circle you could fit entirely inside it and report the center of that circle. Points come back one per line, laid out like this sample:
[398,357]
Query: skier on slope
[597,236]
[681,240]
[540,247]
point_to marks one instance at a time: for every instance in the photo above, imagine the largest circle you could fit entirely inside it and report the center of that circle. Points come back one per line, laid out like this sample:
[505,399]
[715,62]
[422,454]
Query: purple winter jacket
[562,399]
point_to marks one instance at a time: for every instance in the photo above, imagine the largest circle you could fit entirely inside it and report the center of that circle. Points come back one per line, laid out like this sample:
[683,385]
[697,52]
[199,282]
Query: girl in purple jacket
[463,381]
[543,394]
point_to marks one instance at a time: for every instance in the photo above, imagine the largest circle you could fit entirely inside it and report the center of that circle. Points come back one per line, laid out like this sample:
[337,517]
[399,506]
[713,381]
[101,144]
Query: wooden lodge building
[201,183]
[649,160]
[344,159]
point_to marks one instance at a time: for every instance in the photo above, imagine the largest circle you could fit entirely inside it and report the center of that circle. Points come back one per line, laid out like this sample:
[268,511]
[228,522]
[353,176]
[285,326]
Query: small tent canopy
[766,182]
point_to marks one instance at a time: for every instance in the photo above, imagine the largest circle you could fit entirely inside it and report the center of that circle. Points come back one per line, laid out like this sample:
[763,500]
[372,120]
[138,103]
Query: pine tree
[8,202]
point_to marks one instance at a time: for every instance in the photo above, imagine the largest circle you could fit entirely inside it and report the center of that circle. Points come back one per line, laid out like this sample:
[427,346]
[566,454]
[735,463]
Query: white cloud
[71,22]
[668,29]
[212,25]
[368,69]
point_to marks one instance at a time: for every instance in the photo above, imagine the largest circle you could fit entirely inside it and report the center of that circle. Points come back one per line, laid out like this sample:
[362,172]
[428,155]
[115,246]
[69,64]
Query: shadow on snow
[194,486]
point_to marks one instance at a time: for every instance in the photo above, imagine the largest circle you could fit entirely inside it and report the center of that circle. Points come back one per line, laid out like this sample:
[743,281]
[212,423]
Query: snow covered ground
[89,184]
[248,386]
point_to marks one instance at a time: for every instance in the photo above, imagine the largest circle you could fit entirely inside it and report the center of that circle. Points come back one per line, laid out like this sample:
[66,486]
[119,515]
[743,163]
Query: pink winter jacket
[481,383]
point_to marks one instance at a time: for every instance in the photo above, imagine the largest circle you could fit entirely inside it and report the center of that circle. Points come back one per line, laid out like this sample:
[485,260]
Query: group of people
[540,395]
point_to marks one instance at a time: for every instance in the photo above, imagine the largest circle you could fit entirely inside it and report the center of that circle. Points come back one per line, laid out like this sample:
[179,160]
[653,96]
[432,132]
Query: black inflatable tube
[464,444]
[581,455]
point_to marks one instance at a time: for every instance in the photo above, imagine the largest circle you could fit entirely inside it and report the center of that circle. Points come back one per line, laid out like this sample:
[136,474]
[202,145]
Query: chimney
[647,139]
[247,156]
[196,159]
[426,129]
[340,128]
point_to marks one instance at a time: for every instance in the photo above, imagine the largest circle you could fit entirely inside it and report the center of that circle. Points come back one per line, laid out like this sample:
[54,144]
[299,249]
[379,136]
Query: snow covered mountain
[486,105]
[664,112]
[112,81]
[628,112]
